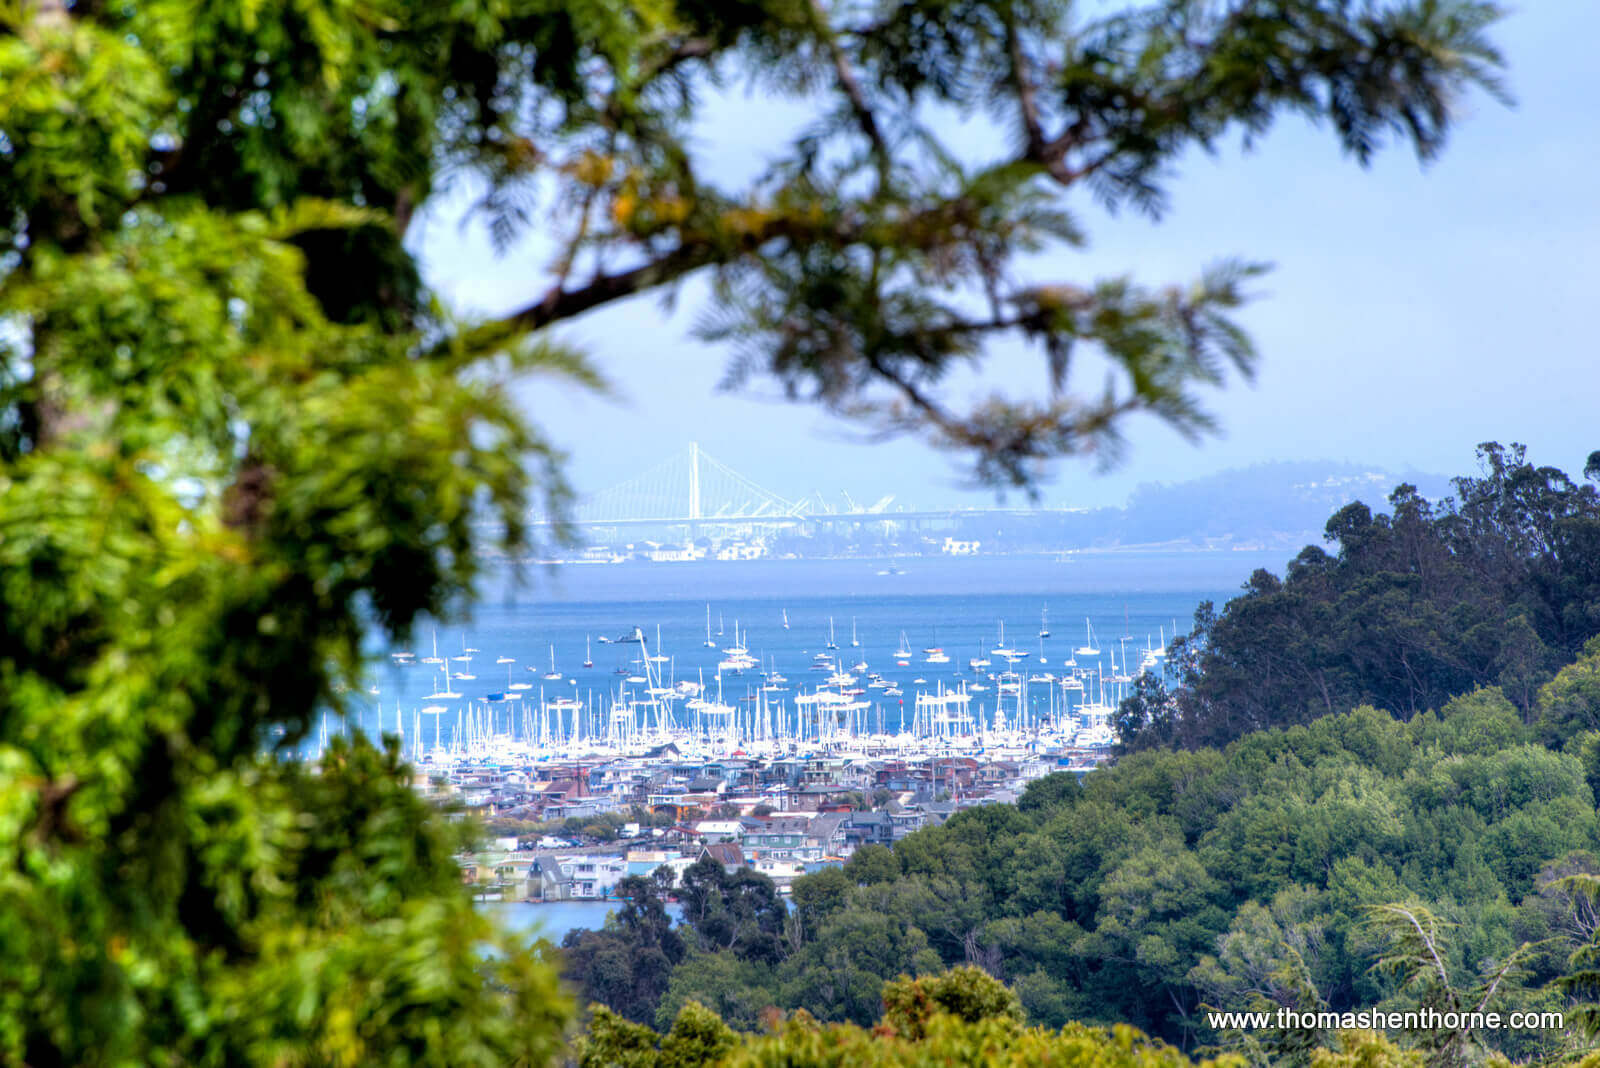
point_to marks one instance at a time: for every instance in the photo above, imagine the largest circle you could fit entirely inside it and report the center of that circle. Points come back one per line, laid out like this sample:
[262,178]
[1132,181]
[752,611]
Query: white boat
[1044,622]
[588,661]
[904,652]
[446,694]
[709,643]
[854,641]
[1003,650]
[552,675]
[785,619]
[831,643]
[1088,647]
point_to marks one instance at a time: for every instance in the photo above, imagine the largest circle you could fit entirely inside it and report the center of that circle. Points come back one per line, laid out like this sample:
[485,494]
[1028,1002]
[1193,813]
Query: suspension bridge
[688,487]
[693,489]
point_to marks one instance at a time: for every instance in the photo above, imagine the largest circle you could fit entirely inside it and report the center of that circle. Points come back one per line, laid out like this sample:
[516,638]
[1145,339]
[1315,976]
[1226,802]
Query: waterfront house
[594,876]
[548,882]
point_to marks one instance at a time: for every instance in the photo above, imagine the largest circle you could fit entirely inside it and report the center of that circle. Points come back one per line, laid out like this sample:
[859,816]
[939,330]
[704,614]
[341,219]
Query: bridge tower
[694,480]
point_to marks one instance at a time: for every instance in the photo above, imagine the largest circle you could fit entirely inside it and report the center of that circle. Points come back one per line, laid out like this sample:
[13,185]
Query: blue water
[555,919]
[957,604]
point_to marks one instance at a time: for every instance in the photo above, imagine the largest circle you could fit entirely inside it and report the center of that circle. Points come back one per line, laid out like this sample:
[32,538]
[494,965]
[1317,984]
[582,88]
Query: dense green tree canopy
[1496,585]
[236,430]
[1246,878]
[960,1017]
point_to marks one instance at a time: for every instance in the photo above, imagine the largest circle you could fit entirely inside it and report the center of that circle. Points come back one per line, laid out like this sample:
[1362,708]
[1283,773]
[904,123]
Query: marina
[776,675]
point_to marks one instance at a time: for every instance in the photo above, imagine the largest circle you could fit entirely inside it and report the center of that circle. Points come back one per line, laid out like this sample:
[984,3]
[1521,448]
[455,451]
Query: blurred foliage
[873,255]
[236,430]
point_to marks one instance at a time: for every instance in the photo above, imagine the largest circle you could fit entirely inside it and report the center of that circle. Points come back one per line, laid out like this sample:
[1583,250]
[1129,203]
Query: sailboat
[1044,622]
[831,643]
[904,652]
[588,661]
[446,694]
[1004,650]
[1088,647]
[709,643]
[552,675]
[785,619]
[465,658]
[854,641]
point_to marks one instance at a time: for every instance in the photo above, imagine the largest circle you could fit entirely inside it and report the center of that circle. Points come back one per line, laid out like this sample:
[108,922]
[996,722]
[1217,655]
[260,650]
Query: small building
[728,854]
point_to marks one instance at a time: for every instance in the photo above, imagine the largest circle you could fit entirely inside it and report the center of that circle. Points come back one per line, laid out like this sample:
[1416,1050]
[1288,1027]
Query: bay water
[786,612]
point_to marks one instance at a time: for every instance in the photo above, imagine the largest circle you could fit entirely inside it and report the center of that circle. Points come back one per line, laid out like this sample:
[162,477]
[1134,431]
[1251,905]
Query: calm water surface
[555,919]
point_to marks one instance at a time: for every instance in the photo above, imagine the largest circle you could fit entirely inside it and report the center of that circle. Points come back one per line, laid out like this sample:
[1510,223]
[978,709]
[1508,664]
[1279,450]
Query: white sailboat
[1088,647]
[1005,651]
[709,643]
[785,618]
[831,643]
[854,641]
[588,661]
[1044,622]
[446,694]
[552,675]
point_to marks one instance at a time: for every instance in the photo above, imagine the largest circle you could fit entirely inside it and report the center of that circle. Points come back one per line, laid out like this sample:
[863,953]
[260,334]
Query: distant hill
[1272,503]
[1276,505]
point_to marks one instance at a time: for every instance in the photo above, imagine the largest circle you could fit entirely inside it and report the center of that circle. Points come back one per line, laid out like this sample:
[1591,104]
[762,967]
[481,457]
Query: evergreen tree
[237,431]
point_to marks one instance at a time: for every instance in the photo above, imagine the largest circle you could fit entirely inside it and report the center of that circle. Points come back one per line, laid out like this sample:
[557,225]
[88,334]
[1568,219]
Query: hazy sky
[1412,311]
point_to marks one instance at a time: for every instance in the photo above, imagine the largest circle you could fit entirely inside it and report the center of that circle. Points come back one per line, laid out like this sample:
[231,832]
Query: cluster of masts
[650,708]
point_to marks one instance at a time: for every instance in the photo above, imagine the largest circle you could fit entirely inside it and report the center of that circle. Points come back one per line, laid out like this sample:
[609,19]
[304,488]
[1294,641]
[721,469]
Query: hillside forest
[1391,753]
